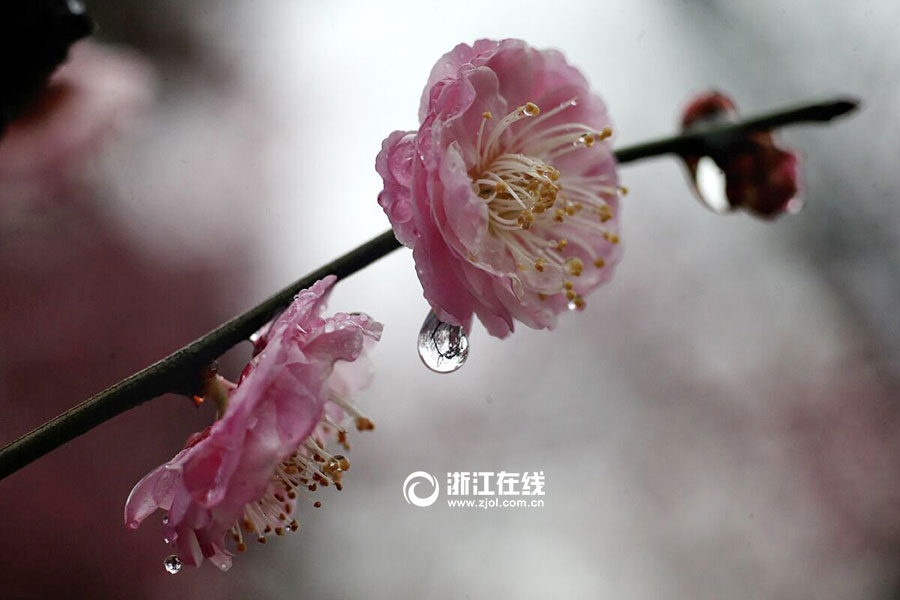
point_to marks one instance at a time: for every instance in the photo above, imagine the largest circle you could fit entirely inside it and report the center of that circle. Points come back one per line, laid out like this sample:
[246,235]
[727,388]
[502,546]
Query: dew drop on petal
[76,7]
[443,347]
[710,182]
[400,160]
[172,564]
[165,519]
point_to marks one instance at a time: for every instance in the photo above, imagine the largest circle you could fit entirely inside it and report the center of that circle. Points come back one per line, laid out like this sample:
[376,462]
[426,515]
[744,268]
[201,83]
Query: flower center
[529,199]
[311,466]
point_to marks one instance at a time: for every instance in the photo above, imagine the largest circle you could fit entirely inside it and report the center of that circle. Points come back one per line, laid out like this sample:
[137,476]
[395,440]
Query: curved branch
[178,372]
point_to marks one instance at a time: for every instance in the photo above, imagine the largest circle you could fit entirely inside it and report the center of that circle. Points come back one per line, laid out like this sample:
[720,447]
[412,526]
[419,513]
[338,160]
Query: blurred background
[720,422]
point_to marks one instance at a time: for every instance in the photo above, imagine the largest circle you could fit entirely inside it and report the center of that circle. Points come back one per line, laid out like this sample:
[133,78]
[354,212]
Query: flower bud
[749,172]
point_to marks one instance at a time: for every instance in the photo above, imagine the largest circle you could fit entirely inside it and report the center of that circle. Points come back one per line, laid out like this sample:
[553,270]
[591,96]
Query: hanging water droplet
[710,182]
[172,564]
[443,348]
[794,205]
[165,519]
[76,7]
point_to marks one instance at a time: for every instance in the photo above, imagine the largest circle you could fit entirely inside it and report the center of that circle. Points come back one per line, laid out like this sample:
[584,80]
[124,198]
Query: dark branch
[178,372]
[718,136]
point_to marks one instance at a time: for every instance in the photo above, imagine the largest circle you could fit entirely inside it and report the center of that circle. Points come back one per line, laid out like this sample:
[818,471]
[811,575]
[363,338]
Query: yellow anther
[561,244]
[605,133]
[599,263]
[487,114]
[559,215]
[570,295]
[574,266]
[568,285]
[611,237]
[539,265]
[526,218]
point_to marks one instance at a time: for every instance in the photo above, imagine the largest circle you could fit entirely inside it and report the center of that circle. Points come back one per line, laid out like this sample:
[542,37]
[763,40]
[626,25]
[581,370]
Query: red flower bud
[750,172]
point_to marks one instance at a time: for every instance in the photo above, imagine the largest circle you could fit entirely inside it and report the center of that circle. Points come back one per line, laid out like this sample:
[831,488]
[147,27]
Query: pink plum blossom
[507,193]
[243,474]
[760,177]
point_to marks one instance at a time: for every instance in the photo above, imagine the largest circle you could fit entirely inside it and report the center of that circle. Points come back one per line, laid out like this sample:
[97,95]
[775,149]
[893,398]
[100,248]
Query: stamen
[574,266]
[308,467]
[528,198]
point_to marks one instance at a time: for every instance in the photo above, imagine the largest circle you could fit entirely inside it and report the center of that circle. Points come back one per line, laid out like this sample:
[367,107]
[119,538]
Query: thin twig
[178,371]
[717,136]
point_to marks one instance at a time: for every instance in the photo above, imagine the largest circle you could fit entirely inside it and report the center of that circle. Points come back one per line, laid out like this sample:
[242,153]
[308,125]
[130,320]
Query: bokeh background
[721,422]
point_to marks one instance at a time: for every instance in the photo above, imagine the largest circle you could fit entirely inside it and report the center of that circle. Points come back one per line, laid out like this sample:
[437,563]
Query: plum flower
[507,193]
[242,476]
[751,173]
